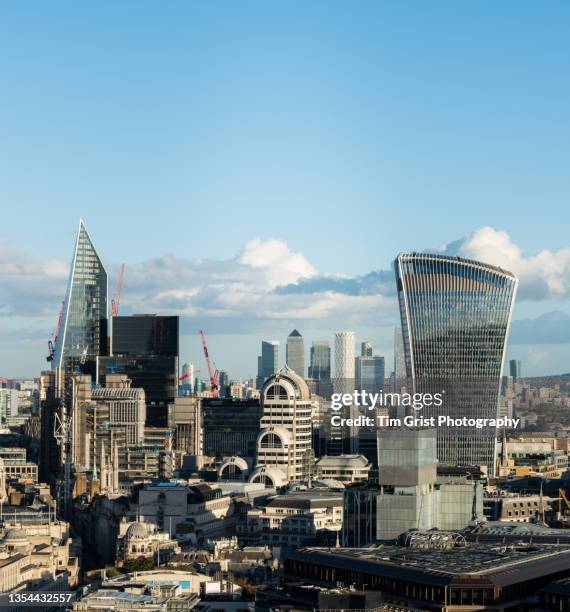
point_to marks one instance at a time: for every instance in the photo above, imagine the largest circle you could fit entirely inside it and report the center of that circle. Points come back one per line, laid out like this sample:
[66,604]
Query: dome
[15,536]
[137,531]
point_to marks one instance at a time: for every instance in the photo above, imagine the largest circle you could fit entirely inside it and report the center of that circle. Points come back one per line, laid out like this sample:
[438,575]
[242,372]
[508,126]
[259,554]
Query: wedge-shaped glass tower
[455,317]
[83,324]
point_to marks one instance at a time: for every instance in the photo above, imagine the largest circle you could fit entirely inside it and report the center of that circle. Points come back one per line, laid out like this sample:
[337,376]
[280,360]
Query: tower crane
[117,298]
[186,375]
[63,435]
[214,374]
[51,343]
[562,496]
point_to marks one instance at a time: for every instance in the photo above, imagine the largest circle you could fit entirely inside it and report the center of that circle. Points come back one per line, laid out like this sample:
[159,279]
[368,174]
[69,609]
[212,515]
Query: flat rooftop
[473,559]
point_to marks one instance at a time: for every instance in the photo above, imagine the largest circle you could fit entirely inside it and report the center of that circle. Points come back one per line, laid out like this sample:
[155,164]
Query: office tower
[320,367]
[50,410]
[407,467]
[184,418]
[366,349]
[83,329]
[144,335]
[268,363]
[515,369]
[145,348]
[258,381]
[188,376]
[455,320]
[79,394]
[295,353]
[9,403]
[369,372]
[369,376]
[284,450]
[230,426]
[399,359]
[344,439]
[344,343]
[223,383]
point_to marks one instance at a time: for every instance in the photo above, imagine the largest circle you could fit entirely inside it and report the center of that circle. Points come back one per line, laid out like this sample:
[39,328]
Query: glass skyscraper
[320,365]
[516,369]
[369,373]
[268,363]
[83,326]
[399,359]
[455,317]
[295,353]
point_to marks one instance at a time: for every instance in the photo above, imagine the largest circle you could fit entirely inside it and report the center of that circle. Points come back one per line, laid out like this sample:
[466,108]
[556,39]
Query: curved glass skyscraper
[455,320]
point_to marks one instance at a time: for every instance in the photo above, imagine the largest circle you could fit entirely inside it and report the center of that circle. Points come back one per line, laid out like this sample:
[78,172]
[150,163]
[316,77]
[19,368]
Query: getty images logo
[416,401]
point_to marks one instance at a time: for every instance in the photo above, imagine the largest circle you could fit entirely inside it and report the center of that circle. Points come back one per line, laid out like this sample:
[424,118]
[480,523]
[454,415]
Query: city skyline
[282,282]
[285,306]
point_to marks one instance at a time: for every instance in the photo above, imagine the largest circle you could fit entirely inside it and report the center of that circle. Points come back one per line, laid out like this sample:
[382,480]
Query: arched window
[271,440]
[277,392]
[232,472]
[263,479]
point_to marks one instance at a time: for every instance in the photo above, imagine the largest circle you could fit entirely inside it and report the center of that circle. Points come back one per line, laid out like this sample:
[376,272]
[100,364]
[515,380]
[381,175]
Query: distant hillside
[548,381]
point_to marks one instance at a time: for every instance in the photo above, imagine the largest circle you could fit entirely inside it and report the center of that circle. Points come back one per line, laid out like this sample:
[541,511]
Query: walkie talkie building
[455,321]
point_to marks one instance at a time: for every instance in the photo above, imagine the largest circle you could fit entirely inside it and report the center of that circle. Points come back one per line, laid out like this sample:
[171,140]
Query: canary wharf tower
[84,316]
[455,320]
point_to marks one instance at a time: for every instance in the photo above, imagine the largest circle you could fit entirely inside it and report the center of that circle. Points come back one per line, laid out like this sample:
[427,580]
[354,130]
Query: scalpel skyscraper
[455,320]
[83,326]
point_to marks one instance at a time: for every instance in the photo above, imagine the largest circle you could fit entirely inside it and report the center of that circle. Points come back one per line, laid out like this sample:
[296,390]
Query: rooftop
[305,500]
[343,460]
[496,562]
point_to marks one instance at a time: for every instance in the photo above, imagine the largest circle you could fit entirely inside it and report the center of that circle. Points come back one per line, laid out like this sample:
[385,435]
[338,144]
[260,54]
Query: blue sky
[349,131]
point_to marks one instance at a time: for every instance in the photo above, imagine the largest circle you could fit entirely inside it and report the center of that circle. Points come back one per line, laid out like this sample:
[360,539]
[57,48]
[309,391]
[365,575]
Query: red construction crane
[214,374]
[115,301]
[51,343]
[185,375]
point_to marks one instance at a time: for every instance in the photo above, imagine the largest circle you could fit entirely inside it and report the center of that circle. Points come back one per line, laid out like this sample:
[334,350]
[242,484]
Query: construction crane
[115,301]
[51,343]
[562,496]
[63,435]
[186,375]
[214,374]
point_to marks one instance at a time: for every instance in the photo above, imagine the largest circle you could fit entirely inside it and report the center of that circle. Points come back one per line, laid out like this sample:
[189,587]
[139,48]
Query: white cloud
[543,276]
[266,281]
[244,289]
[280,265]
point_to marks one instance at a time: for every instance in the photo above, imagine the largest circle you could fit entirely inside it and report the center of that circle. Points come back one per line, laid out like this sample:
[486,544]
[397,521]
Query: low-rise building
[343,468]
[451,575]
[294,519]
[143,540]
[517,508]
[36,555]
[199,510]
